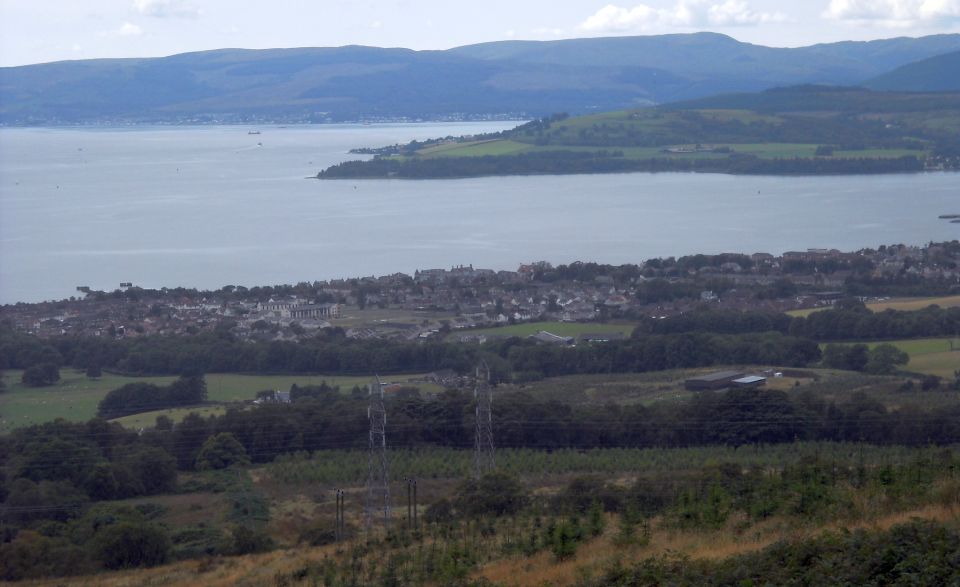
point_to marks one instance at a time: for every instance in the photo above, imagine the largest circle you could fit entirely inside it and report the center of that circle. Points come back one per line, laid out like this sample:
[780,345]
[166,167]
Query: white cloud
[737,12]
[685,13]
[166,8]
[893,13]
[376,24]
[128,29]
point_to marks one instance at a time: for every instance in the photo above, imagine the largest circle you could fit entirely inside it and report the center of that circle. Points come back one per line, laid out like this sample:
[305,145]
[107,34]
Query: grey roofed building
[549,338]
[712,381]
[602,336]
[750,381]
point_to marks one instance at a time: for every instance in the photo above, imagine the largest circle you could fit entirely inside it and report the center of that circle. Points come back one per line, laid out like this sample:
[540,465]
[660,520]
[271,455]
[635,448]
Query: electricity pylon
[483,440]
[378,481]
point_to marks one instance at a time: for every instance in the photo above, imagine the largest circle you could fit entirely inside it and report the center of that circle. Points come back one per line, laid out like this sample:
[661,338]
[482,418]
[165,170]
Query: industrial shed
[712,381]
[750,381]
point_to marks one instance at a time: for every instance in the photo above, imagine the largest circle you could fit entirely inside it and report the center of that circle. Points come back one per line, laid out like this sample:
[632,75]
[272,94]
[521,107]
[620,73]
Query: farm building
[712,381]
[601,336]
[750,381]
[550,338]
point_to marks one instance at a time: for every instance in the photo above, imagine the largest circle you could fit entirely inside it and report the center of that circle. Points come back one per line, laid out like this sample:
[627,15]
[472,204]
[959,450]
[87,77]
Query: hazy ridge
[492,79]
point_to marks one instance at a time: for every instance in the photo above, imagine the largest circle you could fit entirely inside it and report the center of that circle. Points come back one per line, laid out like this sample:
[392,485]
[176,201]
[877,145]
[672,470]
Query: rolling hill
[517,78]
[936,74]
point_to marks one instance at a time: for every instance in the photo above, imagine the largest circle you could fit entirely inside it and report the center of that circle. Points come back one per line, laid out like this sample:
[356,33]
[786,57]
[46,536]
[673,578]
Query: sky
[36,31]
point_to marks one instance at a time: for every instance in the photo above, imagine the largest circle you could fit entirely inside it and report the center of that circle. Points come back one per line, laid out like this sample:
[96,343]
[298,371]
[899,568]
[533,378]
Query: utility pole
[412,503]
[378,482]
[341,525]
[483,439]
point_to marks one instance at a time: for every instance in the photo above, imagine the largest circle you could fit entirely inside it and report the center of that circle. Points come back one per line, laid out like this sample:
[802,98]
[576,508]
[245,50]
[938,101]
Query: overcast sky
[34,31]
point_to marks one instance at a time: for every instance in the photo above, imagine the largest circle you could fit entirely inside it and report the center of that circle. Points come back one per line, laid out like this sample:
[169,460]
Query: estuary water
[211,206]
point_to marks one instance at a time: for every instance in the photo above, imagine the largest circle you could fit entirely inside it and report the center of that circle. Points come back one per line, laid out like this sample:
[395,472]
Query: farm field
[149,419]
[763,150]
[75,397]
[908,304]
[558,328]
[901,304]
[476,149]
[376,317]
[930,356]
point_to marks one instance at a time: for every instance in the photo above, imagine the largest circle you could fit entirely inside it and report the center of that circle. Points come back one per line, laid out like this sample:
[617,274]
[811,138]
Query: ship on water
[949,216]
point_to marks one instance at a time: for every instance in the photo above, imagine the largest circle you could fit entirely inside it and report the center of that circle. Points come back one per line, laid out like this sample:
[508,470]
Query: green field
[476,149]
[574,134]
[372,317]
[148,419]
[900,304]
[75,397]
[931,356]
[762,150]
[558,328]
[908,304]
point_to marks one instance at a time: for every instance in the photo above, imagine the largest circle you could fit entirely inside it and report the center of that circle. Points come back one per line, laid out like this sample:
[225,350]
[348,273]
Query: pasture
[763,150]
[910,304]
[930,356]
[900,304]
[149,419]
[75,396]
[476,149]
[573,134]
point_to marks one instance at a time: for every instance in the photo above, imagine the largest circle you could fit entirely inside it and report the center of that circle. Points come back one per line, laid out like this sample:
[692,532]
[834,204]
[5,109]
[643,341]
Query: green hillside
[805,129]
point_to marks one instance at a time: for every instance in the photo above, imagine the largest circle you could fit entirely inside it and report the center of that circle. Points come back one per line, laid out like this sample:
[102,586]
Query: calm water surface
[208,206]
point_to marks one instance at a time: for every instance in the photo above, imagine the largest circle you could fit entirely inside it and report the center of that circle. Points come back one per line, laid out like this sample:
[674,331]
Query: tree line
[330,352]
[579,162]
[333,420]
[850,320]
[134,398]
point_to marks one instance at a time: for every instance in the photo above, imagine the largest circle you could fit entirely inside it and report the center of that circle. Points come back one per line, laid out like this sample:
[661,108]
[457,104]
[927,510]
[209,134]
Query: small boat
[253,132]
[948,216]
[955,221]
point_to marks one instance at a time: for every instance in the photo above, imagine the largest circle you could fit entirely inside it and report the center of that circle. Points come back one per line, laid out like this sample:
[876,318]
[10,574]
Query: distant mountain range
[521,78]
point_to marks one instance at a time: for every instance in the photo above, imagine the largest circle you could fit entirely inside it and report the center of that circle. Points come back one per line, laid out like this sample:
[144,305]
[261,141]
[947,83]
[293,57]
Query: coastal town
[466,303]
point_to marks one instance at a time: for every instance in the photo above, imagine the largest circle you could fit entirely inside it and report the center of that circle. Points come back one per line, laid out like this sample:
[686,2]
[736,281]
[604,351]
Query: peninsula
[806,130]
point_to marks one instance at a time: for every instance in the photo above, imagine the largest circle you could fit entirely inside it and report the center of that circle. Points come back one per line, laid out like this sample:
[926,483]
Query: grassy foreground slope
[800,130]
